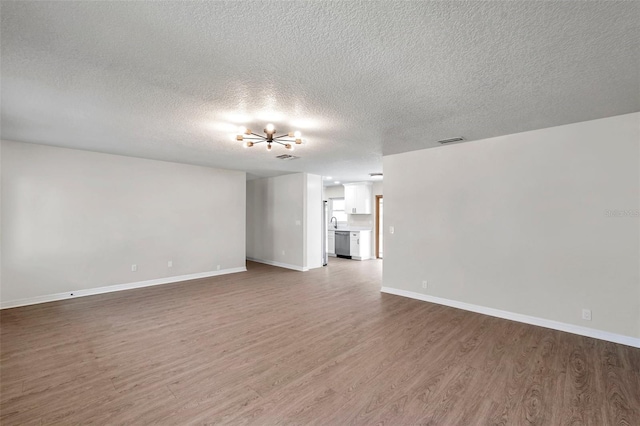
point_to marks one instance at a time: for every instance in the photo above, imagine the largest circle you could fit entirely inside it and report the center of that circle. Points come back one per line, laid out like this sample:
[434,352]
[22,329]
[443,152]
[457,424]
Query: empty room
[328,213]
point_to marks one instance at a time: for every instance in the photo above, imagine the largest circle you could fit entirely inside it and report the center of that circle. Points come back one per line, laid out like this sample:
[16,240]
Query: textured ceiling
[173,80]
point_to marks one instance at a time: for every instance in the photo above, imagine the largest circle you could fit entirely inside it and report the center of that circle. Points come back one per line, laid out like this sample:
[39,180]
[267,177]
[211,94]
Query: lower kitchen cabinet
[331,243]
[360,245]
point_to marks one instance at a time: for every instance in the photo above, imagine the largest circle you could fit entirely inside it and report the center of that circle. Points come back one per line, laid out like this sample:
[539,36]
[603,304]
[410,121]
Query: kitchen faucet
[336,224]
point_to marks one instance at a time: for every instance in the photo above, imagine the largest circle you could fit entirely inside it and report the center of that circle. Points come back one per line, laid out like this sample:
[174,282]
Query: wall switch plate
[586,314]
[392,229]
[170,264]
[134,268]
[424,284]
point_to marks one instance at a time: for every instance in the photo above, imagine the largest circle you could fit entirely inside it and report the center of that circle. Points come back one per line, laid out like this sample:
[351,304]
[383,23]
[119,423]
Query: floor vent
[287,157]
[451,140]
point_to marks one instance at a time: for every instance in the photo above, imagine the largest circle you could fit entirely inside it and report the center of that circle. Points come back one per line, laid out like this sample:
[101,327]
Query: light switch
[391,229]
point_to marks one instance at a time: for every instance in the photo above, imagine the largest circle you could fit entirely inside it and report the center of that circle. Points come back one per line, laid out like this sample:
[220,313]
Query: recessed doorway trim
[377,253]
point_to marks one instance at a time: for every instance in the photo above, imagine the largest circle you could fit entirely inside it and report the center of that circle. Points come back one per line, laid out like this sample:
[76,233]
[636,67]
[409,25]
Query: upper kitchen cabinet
[358,198]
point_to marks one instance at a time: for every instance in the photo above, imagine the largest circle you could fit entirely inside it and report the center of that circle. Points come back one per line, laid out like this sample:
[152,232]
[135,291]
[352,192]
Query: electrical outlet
[586,314]
[134,268]
[170,264]
[424,284]
[217,267]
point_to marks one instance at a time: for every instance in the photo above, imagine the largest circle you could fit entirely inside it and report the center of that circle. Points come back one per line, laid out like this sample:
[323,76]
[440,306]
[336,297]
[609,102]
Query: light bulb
[288,146]
[270,128]
[239,137]
[298,141]
[268,147]
[248,144]
[297,134]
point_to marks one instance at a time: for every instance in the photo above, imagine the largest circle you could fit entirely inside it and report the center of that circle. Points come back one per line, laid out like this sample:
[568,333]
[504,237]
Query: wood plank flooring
[325,347]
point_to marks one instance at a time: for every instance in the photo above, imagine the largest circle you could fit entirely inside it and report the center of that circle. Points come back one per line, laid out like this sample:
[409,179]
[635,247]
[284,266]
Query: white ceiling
[173,80]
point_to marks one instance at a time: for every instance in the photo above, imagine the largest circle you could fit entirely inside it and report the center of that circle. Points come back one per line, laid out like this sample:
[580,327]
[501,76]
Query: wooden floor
[273,346]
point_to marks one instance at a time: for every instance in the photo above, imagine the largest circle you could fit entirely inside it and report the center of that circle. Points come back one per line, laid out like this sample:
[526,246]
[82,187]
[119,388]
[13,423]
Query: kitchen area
[353,216]
[349,243]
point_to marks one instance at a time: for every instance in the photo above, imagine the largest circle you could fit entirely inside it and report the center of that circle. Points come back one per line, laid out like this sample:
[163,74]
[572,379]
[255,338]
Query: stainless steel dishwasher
[343,244]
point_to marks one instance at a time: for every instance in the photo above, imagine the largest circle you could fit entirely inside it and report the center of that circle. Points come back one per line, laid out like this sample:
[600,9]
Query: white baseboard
[71,294]
[361,258]
[555,325]
[279,264]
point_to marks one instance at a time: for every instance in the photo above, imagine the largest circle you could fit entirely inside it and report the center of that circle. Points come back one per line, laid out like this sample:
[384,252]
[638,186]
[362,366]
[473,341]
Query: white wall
[336,191]
[313,221]
[519,223]
[275,212]
[77,220]
[282,224]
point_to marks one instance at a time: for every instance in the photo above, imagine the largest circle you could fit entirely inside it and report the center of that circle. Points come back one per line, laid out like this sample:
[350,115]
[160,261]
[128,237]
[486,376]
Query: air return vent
[287,157]
[451,140]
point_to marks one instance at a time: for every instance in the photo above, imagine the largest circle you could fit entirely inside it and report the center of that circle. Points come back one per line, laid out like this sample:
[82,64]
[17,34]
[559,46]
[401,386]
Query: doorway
[379,227]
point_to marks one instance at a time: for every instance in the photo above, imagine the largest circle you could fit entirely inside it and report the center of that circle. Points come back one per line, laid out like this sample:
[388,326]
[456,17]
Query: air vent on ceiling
[287,157]
[451,140]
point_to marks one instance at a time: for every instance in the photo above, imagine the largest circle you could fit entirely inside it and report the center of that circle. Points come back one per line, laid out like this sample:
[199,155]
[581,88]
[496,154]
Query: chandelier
[250,139]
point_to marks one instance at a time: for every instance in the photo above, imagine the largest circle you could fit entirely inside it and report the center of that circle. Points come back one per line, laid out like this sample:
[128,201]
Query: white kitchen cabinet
[360,245]
[358,198]
[349,198]
[331,243]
